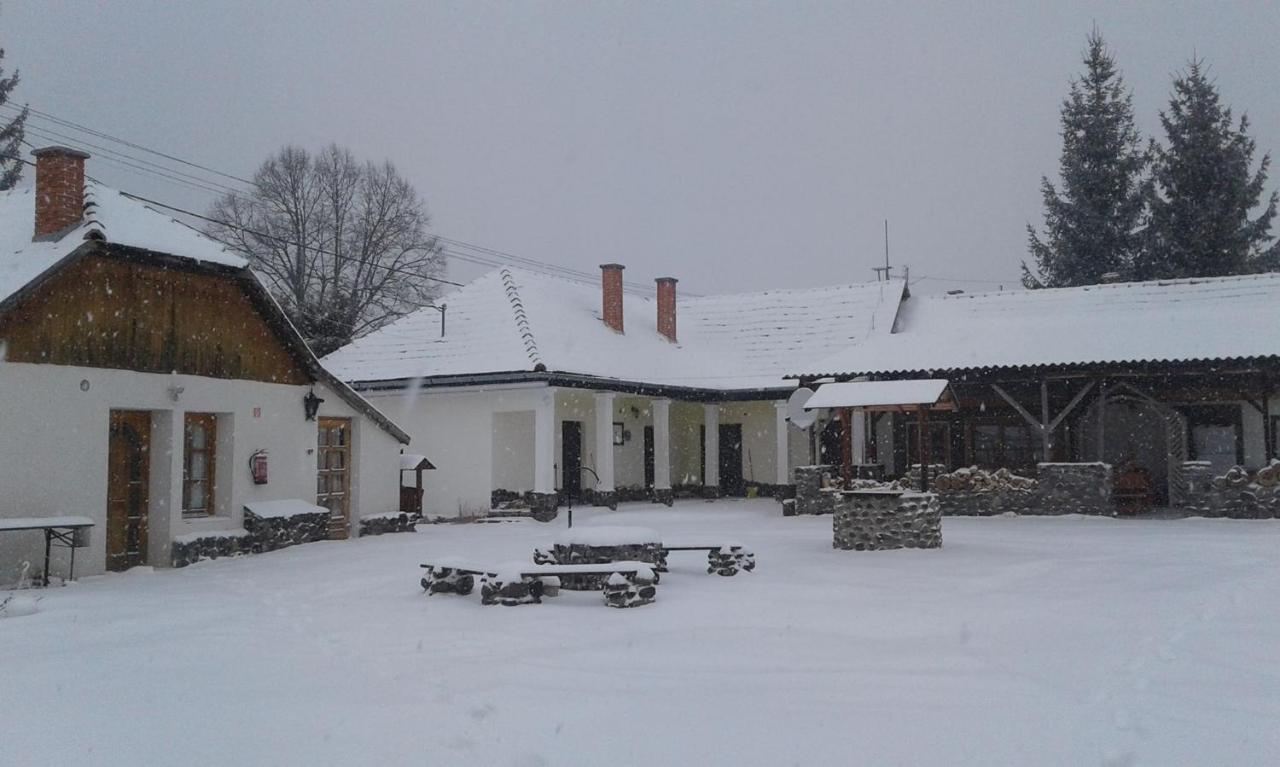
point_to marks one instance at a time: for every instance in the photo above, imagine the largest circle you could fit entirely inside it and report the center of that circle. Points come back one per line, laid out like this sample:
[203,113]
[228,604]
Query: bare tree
[343,246]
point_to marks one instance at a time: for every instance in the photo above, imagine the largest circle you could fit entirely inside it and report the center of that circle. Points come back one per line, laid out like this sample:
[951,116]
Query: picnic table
[66,532]
[626,584]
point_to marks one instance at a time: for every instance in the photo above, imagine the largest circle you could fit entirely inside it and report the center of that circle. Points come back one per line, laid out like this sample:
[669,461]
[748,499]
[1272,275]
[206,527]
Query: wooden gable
[108,312]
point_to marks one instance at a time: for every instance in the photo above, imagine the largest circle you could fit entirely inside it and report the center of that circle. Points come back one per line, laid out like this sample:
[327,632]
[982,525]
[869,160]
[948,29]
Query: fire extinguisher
[258,467]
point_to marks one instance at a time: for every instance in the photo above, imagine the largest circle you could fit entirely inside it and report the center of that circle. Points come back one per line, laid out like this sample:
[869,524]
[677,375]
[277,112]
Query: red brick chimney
[59,190]
[611,281]
[667,307]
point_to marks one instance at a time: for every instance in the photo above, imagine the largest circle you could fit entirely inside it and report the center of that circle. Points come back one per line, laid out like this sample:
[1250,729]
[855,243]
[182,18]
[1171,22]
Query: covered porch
[603,447]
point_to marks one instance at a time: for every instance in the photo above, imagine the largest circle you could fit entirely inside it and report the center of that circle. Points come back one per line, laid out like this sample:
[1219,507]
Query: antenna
[884,272]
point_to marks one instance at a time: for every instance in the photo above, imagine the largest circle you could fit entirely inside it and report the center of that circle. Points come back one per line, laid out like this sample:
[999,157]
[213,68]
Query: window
[1008,446]
[198,463]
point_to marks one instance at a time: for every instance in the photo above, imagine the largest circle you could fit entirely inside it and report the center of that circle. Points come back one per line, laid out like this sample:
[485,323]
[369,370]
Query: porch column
[859,436]
[661,410]
[544,445]
[711,446]
[604,494]
[782,444]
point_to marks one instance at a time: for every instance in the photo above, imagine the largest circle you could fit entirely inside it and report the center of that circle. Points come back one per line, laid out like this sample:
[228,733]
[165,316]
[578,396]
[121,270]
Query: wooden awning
[885,396]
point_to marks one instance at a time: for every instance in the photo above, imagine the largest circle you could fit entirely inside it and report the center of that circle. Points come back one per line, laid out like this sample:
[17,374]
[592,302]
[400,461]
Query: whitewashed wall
[54,438]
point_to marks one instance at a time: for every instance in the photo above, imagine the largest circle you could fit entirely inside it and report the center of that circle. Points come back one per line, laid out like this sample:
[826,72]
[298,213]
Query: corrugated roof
[513,320]
[1218,318]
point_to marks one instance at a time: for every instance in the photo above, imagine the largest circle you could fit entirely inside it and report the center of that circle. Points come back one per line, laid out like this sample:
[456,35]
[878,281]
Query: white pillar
[544,444]
[859,436]
[661,409]
[711,444]
[604,441]
[782,444]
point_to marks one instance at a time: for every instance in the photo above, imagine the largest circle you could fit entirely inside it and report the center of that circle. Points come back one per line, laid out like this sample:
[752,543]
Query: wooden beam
[1046,433]
[1102,419]
[1014,404]
[922,418]
[1070,406]
[846,445]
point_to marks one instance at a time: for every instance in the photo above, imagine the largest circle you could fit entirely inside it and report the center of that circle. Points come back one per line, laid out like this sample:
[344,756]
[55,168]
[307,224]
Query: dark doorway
[648,457]
[571,459]
[128,484]
[830,446]
[731,482]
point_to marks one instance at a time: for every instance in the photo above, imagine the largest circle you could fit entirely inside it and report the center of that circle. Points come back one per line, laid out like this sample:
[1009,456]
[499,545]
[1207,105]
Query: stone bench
[625,584]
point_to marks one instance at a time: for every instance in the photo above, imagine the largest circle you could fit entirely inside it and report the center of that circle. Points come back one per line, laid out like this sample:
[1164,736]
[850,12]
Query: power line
[218,188]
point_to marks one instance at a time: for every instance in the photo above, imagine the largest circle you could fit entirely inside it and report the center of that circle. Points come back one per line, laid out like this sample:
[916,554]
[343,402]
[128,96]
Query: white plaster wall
[53,453]
[454,428]
[512,448]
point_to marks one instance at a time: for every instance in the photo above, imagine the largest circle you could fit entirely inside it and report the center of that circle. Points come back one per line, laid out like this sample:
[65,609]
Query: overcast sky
[736,146]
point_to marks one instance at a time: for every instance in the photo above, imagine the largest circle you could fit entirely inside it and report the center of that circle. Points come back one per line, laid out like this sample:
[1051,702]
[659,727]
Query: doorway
[731,480]
[333,474]
[571,459]
[648,457]
[128,488]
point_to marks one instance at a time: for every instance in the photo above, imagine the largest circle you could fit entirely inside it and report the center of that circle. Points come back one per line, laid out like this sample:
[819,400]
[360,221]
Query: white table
[63,530]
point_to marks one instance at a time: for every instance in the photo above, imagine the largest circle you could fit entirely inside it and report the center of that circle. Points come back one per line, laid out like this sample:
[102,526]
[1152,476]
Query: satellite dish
[796,413]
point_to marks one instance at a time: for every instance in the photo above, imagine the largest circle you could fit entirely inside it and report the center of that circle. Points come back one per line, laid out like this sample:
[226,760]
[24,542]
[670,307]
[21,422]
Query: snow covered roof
[110,216]
[513,320]
[873,394]
[1159,321]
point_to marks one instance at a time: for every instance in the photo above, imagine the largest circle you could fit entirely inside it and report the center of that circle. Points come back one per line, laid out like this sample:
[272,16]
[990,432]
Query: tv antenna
[884,272]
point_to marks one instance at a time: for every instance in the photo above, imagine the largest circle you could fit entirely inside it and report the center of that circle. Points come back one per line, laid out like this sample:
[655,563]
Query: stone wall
[912,477]
[271,533]
[809,483]
[392,522]
[875,520]
[1059,488]
[189,549]
[1237,494]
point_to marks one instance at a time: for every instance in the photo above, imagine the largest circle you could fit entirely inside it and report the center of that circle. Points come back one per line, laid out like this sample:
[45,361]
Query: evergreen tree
[1092,224]
[1202,189]
[11,134]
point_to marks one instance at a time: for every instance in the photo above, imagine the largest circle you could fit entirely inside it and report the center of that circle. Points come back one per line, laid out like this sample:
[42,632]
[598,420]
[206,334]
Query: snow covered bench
[625,584]
[723,558]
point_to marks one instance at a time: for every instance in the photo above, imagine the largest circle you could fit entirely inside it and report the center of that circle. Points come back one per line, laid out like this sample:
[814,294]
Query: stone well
[873,520]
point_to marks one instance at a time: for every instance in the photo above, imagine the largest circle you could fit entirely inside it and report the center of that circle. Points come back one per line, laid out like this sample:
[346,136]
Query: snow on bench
[625,584]
[608,536]
[42,523]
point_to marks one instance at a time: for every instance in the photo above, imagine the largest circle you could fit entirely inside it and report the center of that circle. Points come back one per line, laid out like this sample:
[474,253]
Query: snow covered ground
[1069,641]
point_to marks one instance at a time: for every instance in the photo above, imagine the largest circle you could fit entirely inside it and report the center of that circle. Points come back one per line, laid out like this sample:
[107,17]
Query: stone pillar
[605,494]
[782,444]
[543,500]
[711,446]
[661,409]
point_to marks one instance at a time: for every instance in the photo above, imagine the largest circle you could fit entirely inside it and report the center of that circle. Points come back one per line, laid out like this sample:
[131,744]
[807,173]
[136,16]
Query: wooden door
[731,480]
[571,459]
[333,474]
[128,485]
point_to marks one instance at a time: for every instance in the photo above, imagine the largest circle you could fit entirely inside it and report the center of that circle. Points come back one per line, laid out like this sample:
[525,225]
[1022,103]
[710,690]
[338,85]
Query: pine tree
[1092,224]
[11,134]
[1202,189]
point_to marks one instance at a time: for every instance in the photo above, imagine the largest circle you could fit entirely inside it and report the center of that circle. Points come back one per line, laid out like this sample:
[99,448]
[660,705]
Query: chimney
[611,281]
[59,190]
[667,307]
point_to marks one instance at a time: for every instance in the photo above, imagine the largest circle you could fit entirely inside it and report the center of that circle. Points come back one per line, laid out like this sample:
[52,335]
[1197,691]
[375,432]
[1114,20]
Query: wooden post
[1268,434]
[846,445]
[922,418]
[1046,434]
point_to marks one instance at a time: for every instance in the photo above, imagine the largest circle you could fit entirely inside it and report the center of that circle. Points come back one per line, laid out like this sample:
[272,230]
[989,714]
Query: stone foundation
[543,506]
[1074,488]
[271,533]
[1060,488]
[189,549]
[728,560]
[583,554]
[381,524]
[710,493]
[871,520]
[621,591]
[605,498]
[665,497]
[912,478]
[1237,494]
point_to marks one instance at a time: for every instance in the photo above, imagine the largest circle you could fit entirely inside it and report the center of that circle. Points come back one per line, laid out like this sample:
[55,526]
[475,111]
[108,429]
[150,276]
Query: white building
[536,386]
[141,367]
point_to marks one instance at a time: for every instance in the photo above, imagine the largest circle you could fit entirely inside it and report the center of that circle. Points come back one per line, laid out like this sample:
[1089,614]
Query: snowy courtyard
[1065,640]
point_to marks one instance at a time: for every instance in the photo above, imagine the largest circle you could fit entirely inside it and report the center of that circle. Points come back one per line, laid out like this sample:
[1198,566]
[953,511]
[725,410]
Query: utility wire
[220,188]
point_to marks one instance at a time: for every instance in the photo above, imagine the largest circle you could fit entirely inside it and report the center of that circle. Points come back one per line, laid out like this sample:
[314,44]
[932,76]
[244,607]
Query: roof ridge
[522,319]
[776,291]
[1127,285]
